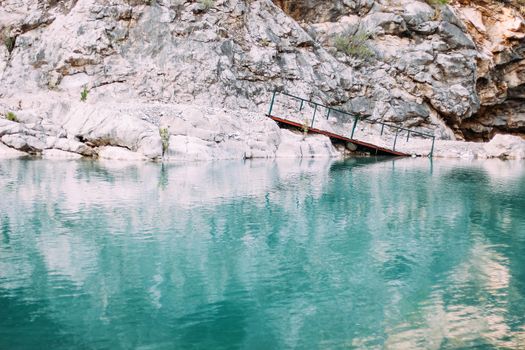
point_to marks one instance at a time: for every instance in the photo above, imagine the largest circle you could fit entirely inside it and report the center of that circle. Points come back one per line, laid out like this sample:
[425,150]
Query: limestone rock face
[461,63]
[454,70]
[499,31]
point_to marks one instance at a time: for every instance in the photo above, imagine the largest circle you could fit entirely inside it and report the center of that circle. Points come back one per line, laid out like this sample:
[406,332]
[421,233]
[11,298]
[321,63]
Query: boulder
[59,154]
[506,146]
[416,13]
[115,125]
[24,143]
[8,152]
[455,37]
[8,127]
[69,145]
[383,23]
[119,153]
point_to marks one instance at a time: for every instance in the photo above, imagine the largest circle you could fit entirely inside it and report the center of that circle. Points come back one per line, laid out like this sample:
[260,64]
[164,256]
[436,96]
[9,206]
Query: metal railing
[356,119]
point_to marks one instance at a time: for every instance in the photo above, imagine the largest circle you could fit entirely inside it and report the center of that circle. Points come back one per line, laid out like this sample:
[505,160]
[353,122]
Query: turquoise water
[362,254]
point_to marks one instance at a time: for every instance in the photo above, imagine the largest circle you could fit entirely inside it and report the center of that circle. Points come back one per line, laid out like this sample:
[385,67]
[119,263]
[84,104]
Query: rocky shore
[134,131]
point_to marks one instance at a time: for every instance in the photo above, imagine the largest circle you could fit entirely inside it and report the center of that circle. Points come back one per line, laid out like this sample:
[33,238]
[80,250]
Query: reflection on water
[395,254]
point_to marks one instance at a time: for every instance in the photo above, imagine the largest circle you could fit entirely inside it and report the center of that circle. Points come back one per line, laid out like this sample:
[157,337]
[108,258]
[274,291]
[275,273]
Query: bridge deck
[377,149]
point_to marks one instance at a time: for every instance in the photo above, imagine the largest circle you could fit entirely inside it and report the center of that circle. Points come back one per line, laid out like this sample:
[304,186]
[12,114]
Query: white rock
[119,153]
[475,17]
[25,143]
[28,117]
[112,124]
[189,148]
[8,127]
[506,146]
[206,133]
[59,154]
[69,145]
[293,145]
[8,152]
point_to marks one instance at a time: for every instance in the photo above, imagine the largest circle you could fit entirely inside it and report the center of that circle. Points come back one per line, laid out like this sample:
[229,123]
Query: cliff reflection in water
[402,254]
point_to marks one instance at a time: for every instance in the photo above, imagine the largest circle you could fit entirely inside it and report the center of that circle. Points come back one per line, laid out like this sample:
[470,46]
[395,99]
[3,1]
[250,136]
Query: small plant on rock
[305,127]
[9,42]
[165,138]
[437,2]
[265,42]
[11,116]
[207,4]
[8,39]
[354,45]
[84,94]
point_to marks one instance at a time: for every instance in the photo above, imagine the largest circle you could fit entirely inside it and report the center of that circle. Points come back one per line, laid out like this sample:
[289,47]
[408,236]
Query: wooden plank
[339,137]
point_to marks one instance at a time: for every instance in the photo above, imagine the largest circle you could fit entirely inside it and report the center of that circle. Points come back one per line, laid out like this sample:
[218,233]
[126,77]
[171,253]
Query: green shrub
[165,138]
[84,94]
[9,42]
[11,116]
[437,2]
[265,42]
[354,45]
[207,4]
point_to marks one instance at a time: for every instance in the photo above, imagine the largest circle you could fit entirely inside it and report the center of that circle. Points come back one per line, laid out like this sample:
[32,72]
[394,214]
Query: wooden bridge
[317,107]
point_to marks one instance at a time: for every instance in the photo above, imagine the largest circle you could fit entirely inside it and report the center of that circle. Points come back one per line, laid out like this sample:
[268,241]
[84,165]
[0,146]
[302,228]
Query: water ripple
[366,254]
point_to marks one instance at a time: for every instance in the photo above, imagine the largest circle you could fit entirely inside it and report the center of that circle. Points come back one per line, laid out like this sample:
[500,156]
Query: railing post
[382,128]
[356,118]
[313,118]
[432,149]
[301,105]
[408,135]
[328,114]
[395,140]
[271,104]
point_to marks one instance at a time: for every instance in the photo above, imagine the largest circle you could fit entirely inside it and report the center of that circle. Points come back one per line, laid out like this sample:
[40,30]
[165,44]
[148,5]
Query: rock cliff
[204,71]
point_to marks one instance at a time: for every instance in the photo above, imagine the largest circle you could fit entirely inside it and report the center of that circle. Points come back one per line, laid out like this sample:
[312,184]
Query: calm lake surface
[370,253]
